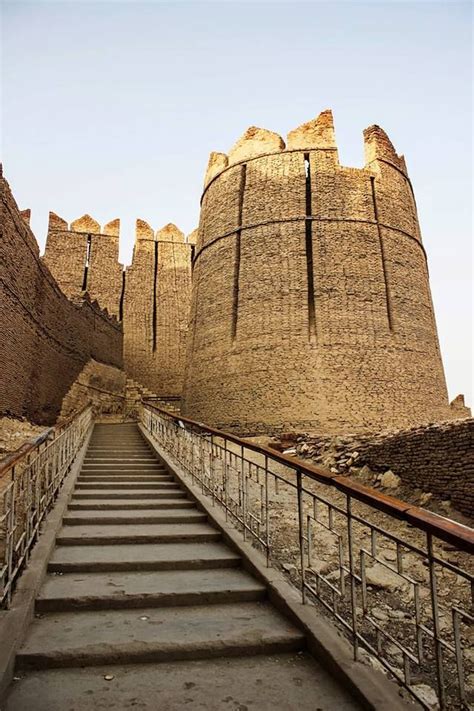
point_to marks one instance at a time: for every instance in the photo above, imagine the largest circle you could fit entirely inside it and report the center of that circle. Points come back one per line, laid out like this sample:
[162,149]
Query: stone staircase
[136,392]
[145,606]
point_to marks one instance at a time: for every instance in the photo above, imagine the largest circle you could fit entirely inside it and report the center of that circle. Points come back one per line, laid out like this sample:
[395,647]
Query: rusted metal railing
[397,578]
[30,480]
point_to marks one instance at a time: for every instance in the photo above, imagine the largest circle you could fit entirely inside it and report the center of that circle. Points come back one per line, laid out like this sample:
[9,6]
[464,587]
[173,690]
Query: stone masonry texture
[46,339]
[156,309]
[152,296]
[311,305]
[438,458]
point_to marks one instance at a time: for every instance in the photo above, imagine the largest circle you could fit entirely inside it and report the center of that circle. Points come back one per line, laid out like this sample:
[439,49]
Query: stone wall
[81,258]
[46,339]
[311,306]
[152,296]
[438,458]
[103,386]
[156,309]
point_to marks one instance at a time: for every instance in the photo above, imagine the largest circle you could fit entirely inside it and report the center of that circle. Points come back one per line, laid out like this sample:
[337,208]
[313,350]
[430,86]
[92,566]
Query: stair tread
[272,683]
[112,586]
[131,493]
[128,504]
[134,516]
[144,553]
[126,485]
[86,636]
[137,532]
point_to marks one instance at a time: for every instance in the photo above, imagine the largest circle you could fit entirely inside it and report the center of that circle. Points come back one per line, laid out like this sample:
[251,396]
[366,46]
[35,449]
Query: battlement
[83,225]
[317,134]
[26,215]
[86,301]
[170,233]
[193,236]
[378,146]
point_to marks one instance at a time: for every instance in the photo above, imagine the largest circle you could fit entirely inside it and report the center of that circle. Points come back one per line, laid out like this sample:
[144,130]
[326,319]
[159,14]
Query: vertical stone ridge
[122,294]
[155,290]
[235,294]
[388,304]
[309,250]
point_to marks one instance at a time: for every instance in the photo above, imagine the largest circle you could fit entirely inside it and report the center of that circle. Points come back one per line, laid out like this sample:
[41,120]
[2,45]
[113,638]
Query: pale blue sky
[112,108]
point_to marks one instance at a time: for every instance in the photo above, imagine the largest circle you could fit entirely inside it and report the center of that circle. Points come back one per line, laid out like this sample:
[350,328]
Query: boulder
[389,480]
[380,576]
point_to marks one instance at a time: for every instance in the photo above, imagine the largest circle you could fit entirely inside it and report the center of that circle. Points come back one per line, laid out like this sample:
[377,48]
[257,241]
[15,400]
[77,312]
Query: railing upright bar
[325,564]
[299,492]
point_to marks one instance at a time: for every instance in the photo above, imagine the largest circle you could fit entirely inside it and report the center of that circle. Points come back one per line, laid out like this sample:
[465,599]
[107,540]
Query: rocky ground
[15,432]
[386,612]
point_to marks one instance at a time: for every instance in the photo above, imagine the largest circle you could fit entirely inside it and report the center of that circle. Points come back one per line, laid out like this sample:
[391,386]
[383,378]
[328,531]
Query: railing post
[299,491]
[350,543]
[436,627]
[267,514]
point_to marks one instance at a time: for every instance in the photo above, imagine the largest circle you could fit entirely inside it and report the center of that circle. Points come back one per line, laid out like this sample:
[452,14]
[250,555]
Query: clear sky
[112,108]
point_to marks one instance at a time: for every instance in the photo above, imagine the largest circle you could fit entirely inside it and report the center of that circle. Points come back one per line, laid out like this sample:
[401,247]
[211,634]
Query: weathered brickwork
[311,305]
[82,259]
[102,386]
[46,339]
[156,309]
[152,297]
[437,458]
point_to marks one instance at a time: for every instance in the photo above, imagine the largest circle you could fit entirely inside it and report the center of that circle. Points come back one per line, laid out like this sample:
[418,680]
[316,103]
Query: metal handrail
[439,526]
[35,473]
[337,536]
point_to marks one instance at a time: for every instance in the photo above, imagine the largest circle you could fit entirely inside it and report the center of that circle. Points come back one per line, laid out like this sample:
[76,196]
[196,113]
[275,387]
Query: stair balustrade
[396,578]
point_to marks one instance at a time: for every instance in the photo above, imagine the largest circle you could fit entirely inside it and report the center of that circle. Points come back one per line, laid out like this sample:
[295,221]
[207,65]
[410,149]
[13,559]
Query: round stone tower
[311,306]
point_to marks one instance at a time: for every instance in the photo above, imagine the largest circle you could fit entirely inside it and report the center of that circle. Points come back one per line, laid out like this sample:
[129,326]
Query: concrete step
[118,485]
[125,477]
[124,441]
[126,505]
[87,535]
[108,518]
[282,682]
[66,639]
[136,449]
[166,556]
[171,493]
[130,459]
[121,590]
[120,465]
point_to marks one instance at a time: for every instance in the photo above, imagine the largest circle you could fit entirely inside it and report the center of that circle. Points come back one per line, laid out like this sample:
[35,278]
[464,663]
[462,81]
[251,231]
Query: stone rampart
[151,296]
[46,339]
[311,306]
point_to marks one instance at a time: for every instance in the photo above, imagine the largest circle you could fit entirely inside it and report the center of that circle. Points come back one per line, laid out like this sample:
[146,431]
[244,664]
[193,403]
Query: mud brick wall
[311,306]
[81,258]
[46,339]
[156,309]
[103,386]
[152,297]
[438,458]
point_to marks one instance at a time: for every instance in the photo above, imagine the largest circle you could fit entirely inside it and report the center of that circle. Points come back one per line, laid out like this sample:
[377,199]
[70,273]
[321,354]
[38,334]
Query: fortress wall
[103,386]
[82,259]
[65,256]
[46,339]
[104,275]
[156,309]
[138,312]
[311,303]
[438,458]
[152,297]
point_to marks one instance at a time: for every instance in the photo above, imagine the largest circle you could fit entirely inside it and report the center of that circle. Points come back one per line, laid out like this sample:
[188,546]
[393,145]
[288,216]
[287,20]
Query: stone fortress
[301,302]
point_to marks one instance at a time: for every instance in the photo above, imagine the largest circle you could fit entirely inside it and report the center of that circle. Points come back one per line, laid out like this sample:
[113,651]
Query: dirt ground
[392,561]
[15,432]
